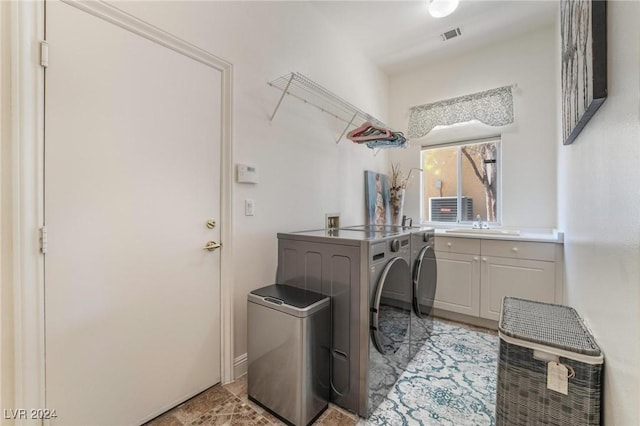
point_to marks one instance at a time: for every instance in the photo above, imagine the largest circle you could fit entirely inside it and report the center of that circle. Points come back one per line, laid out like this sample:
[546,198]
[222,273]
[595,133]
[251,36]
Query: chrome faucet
[479,224]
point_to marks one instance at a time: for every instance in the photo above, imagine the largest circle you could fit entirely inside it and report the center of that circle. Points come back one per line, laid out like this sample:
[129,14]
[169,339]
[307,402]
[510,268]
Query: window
[461,181]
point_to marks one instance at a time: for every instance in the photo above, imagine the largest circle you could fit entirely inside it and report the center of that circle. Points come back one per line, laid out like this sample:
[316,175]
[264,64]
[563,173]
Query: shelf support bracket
[347,128]
[284,92]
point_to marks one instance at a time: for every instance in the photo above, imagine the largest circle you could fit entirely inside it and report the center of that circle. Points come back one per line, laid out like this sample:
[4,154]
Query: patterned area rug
[451,381]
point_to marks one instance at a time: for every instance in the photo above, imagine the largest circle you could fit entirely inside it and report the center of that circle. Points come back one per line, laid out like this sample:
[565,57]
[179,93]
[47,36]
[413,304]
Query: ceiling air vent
[448,35]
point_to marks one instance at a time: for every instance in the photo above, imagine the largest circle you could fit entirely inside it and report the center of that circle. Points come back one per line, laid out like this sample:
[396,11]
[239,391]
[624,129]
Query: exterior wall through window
[461,181]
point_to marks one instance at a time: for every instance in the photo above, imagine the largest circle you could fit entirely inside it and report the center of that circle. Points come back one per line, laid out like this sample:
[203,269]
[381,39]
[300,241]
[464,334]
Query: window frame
[424,209]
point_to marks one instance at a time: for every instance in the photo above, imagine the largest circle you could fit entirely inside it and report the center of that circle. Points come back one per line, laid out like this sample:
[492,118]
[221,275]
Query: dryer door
[391,310]
[425,278]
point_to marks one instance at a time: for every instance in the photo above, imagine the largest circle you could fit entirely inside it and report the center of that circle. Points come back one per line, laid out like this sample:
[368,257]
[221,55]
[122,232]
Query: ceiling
[401,35]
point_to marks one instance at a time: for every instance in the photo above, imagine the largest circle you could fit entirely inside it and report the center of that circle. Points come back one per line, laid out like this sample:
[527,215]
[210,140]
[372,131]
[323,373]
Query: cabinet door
[458,288]
[527,279]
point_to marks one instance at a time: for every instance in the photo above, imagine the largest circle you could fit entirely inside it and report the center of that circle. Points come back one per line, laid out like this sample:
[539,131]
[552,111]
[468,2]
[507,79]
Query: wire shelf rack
[303,88]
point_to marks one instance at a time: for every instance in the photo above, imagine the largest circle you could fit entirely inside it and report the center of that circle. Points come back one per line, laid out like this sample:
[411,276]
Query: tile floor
[229,405]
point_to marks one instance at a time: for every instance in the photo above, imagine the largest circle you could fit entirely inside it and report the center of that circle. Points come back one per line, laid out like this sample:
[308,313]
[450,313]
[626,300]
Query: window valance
[492,107]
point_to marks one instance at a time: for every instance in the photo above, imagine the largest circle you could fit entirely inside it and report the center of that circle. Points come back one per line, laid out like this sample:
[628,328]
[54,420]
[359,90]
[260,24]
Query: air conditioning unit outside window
[445,209]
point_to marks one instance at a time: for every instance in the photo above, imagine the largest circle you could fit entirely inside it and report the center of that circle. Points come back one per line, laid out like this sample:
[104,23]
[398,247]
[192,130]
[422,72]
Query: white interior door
[132,174]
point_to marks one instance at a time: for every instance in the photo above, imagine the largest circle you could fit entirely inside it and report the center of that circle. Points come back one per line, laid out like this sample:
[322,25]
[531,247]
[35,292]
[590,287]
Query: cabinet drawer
[458,245]
[519,249]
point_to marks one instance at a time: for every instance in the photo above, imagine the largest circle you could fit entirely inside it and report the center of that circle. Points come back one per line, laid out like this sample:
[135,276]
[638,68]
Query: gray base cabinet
[458,288]
[526,279]
[475,274]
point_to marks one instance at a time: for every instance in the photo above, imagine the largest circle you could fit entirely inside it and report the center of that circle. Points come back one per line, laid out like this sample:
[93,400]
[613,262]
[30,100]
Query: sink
[489,231]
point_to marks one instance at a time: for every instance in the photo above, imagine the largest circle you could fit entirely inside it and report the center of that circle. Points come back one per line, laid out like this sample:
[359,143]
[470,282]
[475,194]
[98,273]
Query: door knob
[212,245]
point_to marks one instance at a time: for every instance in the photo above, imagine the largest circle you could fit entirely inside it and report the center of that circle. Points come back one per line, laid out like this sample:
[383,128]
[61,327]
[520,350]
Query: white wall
[528,148]
[599,210]
[303,174]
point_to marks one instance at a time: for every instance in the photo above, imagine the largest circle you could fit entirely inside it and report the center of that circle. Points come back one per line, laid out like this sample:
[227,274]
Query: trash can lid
[294,297]
[552,325]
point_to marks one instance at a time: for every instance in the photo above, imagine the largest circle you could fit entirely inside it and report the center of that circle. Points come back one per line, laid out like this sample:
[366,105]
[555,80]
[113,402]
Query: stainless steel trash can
[288,352]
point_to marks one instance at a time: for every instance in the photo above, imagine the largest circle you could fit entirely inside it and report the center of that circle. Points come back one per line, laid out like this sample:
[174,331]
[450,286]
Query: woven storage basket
[532,334]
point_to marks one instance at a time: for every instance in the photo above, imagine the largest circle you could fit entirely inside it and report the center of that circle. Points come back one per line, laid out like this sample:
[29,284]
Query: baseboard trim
[454,316]
[240,366]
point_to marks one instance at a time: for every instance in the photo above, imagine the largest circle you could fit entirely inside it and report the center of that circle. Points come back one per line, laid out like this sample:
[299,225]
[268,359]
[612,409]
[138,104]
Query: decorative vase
[396,202]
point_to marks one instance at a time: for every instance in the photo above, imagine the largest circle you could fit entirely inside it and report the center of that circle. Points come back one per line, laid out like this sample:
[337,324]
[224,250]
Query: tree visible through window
[461,182]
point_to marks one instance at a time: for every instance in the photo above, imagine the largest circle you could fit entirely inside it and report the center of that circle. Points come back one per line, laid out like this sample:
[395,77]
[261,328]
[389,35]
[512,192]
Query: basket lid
[552,325]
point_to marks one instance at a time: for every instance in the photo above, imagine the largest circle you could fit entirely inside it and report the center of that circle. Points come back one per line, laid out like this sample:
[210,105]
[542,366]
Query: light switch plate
[248,207]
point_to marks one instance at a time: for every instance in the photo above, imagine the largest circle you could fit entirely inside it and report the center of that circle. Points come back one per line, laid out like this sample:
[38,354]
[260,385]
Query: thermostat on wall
[247,174]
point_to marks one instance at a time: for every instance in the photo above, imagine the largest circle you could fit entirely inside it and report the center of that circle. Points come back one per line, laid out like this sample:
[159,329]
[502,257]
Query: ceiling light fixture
[442,8]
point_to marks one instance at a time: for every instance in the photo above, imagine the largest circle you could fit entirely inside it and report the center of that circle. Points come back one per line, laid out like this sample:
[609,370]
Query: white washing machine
[367,273]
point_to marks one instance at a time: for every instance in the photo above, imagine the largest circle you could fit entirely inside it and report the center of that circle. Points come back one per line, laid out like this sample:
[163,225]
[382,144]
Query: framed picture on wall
[583,31]
[376,194]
